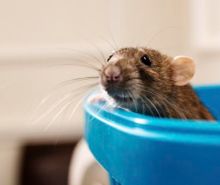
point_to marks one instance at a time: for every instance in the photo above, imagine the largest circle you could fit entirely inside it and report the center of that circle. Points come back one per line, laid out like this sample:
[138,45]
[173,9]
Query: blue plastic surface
[141,150]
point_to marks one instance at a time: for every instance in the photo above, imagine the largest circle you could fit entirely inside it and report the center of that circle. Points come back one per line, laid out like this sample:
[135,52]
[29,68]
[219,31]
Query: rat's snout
[112,74]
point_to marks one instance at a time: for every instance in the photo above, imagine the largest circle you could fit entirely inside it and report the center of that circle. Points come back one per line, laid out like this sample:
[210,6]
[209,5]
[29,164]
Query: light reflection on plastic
[140,121]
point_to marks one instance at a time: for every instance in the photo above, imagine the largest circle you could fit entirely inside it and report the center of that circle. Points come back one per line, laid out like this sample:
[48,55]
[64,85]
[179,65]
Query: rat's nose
[112,74]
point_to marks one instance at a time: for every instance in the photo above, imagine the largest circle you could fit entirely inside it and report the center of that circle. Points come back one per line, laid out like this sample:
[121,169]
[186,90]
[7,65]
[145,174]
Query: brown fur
[151,89]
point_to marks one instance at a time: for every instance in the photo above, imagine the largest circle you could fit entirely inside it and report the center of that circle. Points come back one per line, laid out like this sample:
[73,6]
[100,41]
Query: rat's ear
[183,70]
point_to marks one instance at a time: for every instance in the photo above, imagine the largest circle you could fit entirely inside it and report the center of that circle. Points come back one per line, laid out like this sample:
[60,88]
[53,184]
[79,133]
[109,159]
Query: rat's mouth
[120,95]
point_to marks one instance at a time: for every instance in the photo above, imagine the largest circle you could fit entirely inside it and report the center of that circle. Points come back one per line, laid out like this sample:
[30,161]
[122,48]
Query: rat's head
[133,74]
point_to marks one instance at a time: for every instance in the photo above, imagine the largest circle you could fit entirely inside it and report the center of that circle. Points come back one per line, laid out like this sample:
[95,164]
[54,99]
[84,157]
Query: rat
[146,81]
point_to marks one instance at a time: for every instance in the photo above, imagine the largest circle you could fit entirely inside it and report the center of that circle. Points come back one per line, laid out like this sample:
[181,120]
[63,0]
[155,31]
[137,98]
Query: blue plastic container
[141,150]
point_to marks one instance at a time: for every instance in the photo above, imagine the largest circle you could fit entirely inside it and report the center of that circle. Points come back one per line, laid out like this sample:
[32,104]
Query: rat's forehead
[135,53]
[127,53]
[116,57]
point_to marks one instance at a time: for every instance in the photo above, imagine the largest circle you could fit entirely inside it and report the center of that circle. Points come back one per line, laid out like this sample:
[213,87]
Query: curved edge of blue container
[119,137]
[174,130]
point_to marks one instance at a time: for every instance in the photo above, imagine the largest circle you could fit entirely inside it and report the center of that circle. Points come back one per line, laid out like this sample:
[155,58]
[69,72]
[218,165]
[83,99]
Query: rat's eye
[145,60]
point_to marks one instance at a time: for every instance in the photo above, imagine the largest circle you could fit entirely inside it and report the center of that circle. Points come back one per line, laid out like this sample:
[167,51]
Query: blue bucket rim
[131,122]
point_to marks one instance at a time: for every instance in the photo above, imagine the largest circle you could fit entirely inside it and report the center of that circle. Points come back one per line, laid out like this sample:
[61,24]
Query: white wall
[26,23]
[37,24]
[35,34]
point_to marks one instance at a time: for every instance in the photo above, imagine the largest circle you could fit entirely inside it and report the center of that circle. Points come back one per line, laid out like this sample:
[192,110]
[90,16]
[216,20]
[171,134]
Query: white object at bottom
[84,170]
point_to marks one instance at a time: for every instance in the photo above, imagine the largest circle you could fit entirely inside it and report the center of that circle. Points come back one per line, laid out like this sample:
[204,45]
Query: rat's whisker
[135,104]
[52,92]
[84,58]
[88,55]
[163,106]
[84,90]
[51,109]
[78,65]
[88,61]
[80,62]
[100,52]
[71,81]
[146,105]
[75,108]
[152,104]
[176,109]
[114,41]
[167,103]
[59,102]
[66,107]
[59,113]
[82,94]
[133,100]
[110,44]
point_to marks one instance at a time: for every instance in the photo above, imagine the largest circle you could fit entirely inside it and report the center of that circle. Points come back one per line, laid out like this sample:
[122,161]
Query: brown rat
[145,81]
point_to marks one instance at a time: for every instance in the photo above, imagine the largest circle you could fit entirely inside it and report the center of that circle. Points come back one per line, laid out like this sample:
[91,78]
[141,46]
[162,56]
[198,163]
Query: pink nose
[112,74]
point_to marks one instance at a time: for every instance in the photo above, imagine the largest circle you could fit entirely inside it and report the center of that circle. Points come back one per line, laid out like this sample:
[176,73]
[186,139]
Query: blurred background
[39,42]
